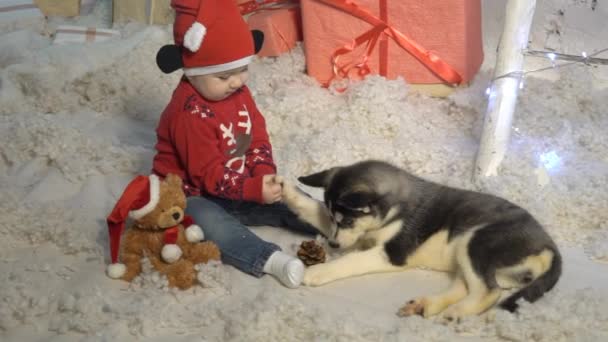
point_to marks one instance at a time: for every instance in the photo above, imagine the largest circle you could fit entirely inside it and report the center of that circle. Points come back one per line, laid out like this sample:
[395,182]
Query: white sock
[288,269]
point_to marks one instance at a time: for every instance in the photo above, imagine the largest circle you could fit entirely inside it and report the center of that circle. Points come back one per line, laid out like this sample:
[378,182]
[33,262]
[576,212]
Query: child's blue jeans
[225,223]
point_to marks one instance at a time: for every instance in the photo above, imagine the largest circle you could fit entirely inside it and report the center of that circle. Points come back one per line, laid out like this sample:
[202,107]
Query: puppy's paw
[289,190]
[293,197]
[451,315]
[317,275]
[413,307]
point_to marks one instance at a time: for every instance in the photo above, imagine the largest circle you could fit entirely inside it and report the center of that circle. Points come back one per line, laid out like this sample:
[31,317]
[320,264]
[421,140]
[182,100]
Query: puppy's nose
[333,244]
[176,216]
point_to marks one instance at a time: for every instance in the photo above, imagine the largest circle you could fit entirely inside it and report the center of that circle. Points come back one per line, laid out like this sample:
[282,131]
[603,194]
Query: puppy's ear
[319,179]
[359,201]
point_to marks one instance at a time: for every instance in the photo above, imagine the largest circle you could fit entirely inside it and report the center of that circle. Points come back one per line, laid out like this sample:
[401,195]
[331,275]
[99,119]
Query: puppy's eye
[346,222]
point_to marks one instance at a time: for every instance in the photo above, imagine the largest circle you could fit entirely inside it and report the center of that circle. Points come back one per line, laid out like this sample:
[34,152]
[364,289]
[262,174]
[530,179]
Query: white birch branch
[503,92]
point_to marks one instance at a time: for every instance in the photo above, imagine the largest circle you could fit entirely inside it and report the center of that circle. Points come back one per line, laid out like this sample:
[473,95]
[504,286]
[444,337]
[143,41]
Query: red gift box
[281,27]
[280,20]
[425,42]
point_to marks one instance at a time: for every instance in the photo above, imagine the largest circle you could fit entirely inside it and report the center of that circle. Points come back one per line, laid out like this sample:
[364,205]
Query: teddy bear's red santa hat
[213,36]
[139,198]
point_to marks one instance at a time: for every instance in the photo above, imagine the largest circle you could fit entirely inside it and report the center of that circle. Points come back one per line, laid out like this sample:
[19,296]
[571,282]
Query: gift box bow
[428,58]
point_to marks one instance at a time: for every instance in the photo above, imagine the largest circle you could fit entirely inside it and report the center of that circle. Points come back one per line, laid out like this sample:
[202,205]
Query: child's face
[216,87]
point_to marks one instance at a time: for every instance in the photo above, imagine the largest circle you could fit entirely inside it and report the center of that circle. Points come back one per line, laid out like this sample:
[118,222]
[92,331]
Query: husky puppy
[391,220]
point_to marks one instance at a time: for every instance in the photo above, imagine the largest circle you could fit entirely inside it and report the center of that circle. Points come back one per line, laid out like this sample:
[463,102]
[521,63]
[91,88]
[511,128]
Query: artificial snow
[77,123]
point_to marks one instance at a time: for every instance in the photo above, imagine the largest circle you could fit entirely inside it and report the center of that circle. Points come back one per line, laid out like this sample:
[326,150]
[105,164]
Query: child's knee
[193,204]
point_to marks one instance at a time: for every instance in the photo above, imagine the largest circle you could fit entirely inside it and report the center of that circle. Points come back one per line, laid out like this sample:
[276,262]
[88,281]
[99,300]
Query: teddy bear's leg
[132,252]
[132,262]
[202,252]
[180,274]
[158,264]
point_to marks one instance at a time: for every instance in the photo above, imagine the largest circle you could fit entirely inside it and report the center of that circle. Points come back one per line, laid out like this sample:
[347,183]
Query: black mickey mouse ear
[258,39]
[169,58]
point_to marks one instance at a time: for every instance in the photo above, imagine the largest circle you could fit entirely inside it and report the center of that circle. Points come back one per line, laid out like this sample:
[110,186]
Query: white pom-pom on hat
[194,36]
[116,270]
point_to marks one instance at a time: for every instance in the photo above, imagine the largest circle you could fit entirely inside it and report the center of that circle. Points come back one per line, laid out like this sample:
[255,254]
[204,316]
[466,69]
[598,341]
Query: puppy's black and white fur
[390,220]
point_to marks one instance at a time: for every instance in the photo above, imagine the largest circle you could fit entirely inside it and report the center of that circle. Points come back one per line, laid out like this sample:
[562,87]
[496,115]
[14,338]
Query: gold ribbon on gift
[380,31]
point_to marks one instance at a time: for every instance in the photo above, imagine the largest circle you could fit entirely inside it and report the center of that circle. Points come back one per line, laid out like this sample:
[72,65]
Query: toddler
[212,135]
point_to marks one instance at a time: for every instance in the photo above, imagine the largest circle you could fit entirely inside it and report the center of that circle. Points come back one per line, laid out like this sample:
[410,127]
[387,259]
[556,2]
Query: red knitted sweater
[218,148]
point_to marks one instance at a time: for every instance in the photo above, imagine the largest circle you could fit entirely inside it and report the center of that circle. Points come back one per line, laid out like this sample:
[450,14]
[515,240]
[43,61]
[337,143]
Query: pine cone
[311,253]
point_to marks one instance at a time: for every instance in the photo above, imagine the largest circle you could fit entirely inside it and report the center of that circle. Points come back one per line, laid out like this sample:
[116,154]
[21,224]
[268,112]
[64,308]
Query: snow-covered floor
[77,122]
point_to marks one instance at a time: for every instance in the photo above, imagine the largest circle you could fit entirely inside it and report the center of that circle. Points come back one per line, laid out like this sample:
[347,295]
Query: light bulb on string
[553,57]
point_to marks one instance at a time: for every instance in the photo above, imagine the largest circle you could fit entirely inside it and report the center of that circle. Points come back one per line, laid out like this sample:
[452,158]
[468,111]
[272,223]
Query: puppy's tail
[538,287]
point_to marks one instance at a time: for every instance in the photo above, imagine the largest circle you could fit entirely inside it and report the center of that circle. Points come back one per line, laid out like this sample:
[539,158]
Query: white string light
[552,56]
[549,160]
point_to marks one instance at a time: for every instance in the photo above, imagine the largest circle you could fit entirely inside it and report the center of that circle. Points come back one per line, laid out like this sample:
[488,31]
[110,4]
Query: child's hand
[271,189]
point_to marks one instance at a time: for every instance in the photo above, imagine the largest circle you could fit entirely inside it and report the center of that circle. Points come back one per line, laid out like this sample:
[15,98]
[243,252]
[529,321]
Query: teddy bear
[160,231]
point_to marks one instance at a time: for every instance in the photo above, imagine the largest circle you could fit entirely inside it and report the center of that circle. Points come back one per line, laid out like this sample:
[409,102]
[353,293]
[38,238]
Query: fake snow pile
[77,122]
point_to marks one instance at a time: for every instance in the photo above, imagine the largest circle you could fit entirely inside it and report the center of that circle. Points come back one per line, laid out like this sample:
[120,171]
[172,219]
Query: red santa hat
[212,35]
[140,198]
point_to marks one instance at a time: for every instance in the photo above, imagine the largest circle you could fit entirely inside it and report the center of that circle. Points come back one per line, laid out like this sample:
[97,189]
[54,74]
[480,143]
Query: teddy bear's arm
[194,233]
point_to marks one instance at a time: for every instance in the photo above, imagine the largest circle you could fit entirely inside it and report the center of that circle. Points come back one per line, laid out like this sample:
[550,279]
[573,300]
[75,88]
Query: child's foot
[288,269]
